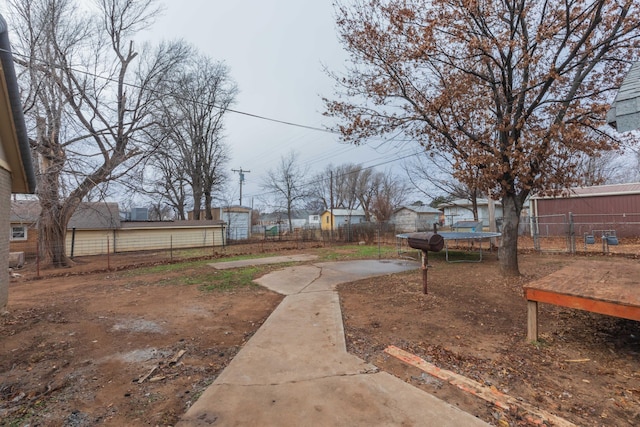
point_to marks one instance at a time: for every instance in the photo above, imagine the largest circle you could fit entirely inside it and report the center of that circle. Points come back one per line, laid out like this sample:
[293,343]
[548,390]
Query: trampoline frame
[471,236]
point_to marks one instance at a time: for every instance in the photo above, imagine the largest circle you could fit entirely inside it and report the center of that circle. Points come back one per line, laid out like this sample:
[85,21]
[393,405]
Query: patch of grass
[242,257]
[218,280]
[231,279]
[165,268]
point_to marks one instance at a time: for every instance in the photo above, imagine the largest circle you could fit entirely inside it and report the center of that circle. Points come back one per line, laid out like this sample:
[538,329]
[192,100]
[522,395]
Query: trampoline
[469,236]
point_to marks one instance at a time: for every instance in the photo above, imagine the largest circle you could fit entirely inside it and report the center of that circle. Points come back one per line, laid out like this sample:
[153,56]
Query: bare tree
[165,179]
[434,175]
[159,211]
[604,168]
[335,187]
[511,90]
[287,184]
[352,186]
[197,100]
[390,193]
[92,97]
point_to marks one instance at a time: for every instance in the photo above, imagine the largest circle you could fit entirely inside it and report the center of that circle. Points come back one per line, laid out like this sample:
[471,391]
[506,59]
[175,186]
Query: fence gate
[552,233]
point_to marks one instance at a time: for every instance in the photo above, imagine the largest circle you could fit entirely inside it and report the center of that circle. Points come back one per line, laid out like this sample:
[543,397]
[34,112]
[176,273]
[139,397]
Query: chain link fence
[584,233]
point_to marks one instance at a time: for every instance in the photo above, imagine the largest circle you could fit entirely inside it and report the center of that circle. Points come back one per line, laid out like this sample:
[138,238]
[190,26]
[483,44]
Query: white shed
[415,218]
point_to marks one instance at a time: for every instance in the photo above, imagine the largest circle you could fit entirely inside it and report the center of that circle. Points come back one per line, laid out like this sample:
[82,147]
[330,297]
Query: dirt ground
[137,346]
[127,348]
[585,367]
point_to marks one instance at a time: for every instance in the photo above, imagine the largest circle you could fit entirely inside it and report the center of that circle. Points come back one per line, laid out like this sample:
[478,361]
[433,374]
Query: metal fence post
[572,235]
[535,231]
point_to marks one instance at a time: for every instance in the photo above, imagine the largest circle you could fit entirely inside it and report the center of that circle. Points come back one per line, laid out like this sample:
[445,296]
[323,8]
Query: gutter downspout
[6,58]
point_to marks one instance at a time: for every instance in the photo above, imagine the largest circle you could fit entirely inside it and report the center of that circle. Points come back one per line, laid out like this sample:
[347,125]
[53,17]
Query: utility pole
[331,205]
[241,173]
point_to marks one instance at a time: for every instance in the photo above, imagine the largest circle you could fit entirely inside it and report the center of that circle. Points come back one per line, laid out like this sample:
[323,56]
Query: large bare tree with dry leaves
[91,94]
[514,90]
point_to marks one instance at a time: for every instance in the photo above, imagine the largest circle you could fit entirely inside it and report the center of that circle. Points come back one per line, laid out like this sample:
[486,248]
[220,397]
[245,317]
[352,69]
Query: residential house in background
[16,169]
[314,221]
[624,114]
[96,228]
[341,217]
[90,222]
[23,230]
[462,210]
[413,218]
[300,219]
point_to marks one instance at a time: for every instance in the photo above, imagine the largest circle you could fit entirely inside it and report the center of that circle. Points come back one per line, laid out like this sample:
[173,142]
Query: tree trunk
[474,204]
[197,200]
[207,206]
[508,251]
[289,214]
[180,212]
[52,233]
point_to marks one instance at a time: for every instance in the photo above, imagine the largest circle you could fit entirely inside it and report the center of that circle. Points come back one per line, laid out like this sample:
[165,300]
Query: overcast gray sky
[276,50]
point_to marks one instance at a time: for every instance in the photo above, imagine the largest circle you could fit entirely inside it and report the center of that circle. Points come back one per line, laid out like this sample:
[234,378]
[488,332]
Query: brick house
[16,169]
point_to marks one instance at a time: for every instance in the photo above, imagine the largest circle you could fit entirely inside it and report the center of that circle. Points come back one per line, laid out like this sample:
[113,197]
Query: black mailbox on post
[426,241]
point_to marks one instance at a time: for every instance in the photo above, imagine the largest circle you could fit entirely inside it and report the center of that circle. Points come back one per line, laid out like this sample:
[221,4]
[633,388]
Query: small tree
[390,193]
[287,184]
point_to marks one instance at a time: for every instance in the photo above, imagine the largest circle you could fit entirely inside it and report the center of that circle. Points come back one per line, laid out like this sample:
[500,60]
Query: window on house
[18,232]
[327,220]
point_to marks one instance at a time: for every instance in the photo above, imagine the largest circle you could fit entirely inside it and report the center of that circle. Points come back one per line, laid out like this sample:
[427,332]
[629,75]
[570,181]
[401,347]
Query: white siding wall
[410,221]
[93,242]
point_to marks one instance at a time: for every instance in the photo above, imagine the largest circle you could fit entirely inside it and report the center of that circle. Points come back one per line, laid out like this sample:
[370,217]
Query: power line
[135,86]
[256,116]
[319,181]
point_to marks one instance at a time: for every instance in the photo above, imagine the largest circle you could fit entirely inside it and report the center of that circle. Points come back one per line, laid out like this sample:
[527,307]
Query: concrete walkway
[295,370]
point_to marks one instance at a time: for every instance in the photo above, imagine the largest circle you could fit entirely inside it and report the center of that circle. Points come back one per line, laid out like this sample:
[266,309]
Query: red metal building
[587,209]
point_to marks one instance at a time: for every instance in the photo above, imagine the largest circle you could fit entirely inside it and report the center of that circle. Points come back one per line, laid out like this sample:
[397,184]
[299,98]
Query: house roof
[624,114]
[597,190]
[464,203]
[347,212]
[13,132]
[88,216]
[96,215]
[24,211]
[189,223]
[236,208]
[420,209]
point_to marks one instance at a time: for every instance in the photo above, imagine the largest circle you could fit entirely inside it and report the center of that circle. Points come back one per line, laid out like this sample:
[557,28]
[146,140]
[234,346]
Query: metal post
[425,266]
[73,241]
[572,235]
[108,257]
[38,258]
